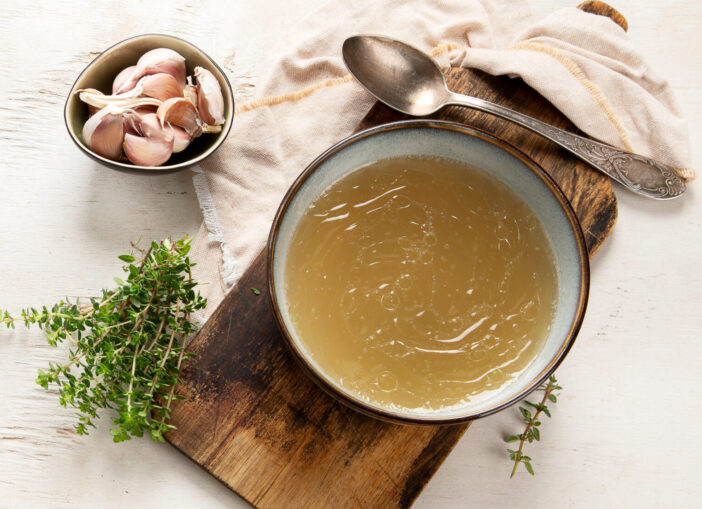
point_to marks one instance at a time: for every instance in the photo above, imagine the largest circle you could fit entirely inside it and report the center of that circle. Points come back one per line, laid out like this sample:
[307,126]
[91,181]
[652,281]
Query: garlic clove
[132,119]
[151,127]
[209,95]
[145,151]
[160,86]
[190,93]
[150,144]
[159,60]
[103,133]
[179,111]
[181,139]
[121,79]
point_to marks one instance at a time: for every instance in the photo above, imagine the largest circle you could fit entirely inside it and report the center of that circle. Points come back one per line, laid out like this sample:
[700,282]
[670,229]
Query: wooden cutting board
[253,419]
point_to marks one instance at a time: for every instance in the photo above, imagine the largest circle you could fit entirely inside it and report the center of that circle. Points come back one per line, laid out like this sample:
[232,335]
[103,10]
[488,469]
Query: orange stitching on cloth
[574,69]
[277,99]
[578,74]
[443,48]
[686,173]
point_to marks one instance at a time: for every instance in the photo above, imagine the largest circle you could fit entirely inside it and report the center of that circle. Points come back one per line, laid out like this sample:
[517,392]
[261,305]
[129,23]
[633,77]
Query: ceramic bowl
[506,163]
[100,73]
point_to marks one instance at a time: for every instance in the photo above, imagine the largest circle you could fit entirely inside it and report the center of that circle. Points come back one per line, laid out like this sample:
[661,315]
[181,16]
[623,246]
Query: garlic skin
[103,133]
[144,151]
[157,87]
[126,101]
[93,109]
[159,60]
[209,96]
[180,112]
[122,78]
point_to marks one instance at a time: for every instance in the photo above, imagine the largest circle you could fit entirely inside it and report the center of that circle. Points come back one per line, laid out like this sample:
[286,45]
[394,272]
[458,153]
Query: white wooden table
[625,431]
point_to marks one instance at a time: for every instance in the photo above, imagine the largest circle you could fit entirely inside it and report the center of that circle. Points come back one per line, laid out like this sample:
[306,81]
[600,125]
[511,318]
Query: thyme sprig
[531,432]
[127,347]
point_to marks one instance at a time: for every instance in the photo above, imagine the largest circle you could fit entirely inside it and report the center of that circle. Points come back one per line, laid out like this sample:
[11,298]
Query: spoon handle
[638,173]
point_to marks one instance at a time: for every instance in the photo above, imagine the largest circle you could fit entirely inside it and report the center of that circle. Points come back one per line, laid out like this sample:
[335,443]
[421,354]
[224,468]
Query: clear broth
[420,283]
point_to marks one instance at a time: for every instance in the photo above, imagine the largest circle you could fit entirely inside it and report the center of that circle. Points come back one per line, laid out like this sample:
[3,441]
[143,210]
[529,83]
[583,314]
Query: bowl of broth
[425,272]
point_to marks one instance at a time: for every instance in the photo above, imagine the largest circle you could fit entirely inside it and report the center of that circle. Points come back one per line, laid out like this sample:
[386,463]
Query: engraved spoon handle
[638,173]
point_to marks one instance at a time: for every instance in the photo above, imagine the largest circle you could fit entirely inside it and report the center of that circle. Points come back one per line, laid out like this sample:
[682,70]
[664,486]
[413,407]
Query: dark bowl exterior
[100,73]
[394,417]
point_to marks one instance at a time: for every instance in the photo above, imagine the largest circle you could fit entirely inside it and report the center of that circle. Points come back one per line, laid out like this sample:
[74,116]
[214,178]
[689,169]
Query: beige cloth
[583,63]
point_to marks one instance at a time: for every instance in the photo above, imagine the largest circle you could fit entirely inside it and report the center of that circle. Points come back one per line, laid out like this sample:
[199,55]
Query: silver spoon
[411,82]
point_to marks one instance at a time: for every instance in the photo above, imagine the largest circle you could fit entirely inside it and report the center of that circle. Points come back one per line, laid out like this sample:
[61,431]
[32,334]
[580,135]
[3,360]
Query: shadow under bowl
[478,149]
[100,73]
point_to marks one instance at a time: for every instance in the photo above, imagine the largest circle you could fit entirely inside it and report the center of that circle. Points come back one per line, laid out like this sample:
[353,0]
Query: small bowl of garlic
[151,102]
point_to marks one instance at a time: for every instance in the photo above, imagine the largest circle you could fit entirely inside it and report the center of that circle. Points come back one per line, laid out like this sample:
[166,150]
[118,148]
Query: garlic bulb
[104,132]
[159,60]
[210,101]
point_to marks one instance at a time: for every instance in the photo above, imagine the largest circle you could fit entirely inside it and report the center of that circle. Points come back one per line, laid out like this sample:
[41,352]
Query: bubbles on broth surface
[420,283]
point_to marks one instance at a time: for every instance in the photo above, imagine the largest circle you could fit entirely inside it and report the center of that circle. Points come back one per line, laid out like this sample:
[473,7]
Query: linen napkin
[582,63]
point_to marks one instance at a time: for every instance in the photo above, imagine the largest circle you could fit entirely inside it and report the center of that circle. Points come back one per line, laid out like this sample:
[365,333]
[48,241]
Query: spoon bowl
[399,75]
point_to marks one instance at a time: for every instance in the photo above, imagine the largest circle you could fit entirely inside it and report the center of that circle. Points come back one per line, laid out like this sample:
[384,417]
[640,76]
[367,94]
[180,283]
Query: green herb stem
[531,432]
[126,344]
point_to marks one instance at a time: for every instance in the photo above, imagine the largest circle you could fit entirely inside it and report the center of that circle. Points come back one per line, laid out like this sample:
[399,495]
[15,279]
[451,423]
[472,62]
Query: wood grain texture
[254,420]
